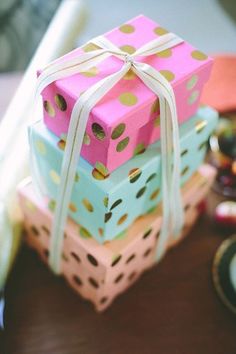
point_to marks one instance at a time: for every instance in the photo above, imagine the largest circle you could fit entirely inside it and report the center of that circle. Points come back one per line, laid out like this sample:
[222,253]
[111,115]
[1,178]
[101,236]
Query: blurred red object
[220,90]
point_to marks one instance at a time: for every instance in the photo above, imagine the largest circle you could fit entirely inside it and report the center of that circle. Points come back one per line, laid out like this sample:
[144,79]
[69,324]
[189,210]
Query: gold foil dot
[98,131]
[116,259]
[128,99]
[29,205]
[118,279]
[193,97]
[151,177]
[102,168]
[118,131]
[127,28]
[128,49]
[130,75]
[116,203]
[107,217]
[184,171]
[87,205]
[167,74]
[100,231]
[157,121]
[196,54]
[60,102]
[134,174]
[97,175]
[154,194]
[160,31]
[49,108]
[55,177]
[52,205]
[122,144]
[89,47]
[184,152]
[76,177]
[122,219]
[192,82]
[40,146]
[164,53]
[202,145]
[93,282]
[86,140]
[34,230]
[141,192]
[147,233]
[72,207]
[155,107]
[105,201]
[84,232]
[61,144]
[90,72]
[200,125]
[140,149]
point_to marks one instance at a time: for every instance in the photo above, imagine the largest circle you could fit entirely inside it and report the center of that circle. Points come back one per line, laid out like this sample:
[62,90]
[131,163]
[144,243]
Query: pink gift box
[100,272]
[126,120]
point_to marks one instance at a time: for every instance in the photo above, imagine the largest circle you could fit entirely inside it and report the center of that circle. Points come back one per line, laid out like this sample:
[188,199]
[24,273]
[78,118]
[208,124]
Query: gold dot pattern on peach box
[100,272]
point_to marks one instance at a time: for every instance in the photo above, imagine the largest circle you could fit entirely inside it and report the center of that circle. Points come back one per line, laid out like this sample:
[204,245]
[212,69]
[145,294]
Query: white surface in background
[204,23]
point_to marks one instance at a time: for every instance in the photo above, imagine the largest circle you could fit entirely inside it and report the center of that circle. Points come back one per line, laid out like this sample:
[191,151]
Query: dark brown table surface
[172,309]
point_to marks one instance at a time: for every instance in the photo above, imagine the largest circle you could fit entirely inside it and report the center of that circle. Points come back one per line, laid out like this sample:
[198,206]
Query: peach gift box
[100,272]
[126,120]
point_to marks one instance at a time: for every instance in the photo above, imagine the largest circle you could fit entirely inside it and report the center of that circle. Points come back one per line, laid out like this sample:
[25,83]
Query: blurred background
[23,22]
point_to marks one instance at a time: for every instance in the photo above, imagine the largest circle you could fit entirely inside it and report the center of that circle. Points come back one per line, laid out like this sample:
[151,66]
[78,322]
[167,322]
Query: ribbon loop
[170,150]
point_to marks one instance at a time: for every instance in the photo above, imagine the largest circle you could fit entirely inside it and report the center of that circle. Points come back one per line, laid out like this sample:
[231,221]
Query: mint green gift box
[105,207]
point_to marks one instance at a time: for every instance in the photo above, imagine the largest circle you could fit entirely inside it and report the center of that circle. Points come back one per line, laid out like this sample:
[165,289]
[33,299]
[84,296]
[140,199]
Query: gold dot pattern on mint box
[87,205]
[100,200]
[40,146]
[134,174]
[54,177]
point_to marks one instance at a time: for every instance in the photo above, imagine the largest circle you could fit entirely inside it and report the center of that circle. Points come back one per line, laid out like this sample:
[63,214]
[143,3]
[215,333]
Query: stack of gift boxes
[115,213]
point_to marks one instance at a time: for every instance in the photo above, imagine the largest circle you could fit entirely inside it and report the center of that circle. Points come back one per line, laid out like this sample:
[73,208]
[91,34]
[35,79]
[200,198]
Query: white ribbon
[171,197]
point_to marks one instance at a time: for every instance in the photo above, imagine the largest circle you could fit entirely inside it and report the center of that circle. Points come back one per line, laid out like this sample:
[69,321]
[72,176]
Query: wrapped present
[101,272]
[105,207]
[126,120]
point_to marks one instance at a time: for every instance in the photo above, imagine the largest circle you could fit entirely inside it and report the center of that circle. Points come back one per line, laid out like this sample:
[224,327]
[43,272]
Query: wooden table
[173,309]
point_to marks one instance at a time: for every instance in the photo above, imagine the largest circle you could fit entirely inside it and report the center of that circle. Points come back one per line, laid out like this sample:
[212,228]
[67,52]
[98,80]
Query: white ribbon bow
[173,215]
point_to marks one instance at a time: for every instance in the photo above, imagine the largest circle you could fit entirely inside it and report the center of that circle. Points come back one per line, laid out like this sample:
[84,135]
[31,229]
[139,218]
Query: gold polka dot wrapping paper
[106,203]
[99,272]
[126,118]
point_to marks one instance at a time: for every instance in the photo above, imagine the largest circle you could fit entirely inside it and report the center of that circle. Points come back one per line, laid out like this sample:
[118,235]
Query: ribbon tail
[75,136]
[171,197]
